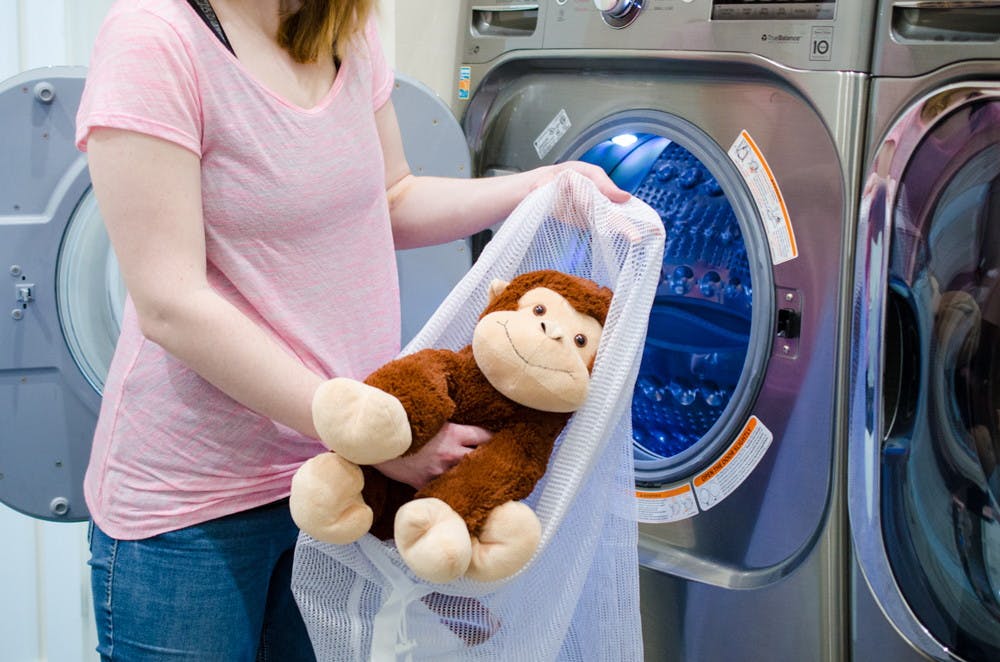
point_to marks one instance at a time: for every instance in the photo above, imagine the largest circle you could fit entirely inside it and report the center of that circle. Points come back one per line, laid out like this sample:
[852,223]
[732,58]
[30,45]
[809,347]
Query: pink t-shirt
[297,237]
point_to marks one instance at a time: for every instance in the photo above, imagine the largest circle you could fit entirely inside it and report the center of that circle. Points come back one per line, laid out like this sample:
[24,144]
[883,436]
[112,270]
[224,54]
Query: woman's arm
[433,210]
[149,193]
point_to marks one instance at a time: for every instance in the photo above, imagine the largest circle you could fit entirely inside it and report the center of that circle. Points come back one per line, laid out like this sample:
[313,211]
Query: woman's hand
[435,210]
[441,453]
[596,174]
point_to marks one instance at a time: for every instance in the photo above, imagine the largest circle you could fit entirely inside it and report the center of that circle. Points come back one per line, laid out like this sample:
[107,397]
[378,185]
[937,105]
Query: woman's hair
[317,25]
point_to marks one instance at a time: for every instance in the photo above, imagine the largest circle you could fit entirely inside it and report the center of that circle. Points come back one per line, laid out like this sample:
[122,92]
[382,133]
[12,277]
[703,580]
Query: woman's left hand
[596,174]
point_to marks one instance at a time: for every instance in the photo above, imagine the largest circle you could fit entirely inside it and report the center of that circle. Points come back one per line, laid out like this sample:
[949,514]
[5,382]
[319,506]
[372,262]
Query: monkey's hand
[359,422]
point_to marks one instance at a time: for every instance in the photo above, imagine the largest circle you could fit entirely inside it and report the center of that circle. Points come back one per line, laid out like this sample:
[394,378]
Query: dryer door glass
[941,482]
[90,293]
[700,325]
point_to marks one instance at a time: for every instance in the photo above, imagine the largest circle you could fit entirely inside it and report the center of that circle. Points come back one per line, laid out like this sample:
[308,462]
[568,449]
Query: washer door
[925,480]
[65,295]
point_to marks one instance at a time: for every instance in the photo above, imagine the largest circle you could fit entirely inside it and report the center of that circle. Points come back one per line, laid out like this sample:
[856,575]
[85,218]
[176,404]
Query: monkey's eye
[580,340]
[539,310]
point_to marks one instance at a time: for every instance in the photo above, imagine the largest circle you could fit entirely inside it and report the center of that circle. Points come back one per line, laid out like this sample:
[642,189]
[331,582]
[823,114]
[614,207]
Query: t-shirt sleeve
[383,76]
[141,78]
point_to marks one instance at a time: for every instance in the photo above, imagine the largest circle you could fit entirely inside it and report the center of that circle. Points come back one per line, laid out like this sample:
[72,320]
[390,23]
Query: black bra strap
[204,9]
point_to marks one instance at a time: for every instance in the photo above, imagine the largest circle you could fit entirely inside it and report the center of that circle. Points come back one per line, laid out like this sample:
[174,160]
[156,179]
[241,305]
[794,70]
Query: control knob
[619,13]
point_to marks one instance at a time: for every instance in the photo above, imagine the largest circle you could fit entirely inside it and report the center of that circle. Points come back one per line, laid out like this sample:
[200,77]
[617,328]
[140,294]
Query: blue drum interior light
[699,326]
[625,139]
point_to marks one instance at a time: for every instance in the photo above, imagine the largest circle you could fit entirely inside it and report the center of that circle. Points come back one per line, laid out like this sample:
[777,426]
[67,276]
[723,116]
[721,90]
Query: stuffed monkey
[526,371]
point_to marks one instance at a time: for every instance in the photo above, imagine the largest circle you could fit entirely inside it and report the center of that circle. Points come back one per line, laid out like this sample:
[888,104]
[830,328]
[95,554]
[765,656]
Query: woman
[254,187]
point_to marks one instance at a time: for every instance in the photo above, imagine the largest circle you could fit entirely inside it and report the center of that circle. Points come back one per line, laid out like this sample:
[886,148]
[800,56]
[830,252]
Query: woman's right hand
[438,455]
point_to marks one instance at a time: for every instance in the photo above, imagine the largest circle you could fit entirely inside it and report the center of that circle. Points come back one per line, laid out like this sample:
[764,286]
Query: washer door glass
[941,480]
[90,293]
[700,328]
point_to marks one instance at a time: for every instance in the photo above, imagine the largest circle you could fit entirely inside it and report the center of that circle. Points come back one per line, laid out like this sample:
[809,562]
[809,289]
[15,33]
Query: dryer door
[925,480]
[64,296]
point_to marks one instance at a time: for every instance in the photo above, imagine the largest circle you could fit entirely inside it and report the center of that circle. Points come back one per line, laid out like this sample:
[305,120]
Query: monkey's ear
[496,288]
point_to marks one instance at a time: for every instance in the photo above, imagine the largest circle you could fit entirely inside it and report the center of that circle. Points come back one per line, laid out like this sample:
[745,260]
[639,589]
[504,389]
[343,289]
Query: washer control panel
[773,10]
[810,35]
[619,13]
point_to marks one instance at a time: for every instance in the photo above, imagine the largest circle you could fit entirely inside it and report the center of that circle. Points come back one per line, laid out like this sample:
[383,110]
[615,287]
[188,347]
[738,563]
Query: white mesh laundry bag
[577,599]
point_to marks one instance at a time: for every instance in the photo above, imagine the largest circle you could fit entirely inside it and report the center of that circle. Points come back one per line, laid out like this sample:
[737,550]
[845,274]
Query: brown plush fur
[436,386]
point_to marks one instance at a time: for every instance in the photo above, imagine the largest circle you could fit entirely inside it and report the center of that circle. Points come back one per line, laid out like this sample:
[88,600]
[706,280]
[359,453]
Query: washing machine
[924,442]
[740,122]
[63,296]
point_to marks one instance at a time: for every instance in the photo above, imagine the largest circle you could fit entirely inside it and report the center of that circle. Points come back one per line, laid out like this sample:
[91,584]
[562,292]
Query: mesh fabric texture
[578,598]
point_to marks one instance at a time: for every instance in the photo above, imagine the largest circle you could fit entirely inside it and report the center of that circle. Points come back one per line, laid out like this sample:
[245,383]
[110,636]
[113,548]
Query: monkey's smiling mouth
[527,361]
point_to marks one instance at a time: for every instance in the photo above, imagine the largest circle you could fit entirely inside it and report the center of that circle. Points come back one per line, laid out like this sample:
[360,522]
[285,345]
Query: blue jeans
[218,591]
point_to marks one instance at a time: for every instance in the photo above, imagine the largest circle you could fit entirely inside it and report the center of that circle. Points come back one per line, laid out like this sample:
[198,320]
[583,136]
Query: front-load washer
[741,124]
[923,481]
[63,297]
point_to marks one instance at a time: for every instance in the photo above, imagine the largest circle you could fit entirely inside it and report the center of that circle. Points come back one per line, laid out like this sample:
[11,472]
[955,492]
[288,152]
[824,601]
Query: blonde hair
[317,26]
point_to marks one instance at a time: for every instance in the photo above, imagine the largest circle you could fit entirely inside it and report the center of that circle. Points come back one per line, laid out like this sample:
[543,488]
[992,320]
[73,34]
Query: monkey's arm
[421,383]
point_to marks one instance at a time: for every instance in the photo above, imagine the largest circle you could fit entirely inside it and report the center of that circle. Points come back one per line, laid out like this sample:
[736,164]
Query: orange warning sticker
[730,453]
[729,471]
[711,486]
[666,505]
[764,188]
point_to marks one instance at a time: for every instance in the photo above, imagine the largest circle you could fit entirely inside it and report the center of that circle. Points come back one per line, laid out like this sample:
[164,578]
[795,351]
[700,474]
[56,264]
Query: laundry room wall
[45,607]
[428,53]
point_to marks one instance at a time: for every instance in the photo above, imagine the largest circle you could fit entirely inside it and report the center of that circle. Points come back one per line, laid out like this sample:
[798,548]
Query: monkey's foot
[507,542]
[326,500]
[433,540]
[360,422]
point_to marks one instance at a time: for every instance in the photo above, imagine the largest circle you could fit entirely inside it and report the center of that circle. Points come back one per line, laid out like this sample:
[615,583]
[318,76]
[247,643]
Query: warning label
[711,486]
[555,130]
[671,505]
[764,188]
[729,471]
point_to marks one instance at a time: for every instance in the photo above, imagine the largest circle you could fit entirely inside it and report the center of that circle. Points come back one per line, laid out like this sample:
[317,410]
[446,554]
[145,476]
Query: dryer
[741,124]
[63,295]
[923,482]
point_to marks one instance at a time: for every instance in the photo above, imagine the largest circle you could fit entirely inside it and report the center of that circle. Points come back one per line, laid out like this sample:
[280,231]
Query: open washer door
[64,294]
[435,146]
[63,298]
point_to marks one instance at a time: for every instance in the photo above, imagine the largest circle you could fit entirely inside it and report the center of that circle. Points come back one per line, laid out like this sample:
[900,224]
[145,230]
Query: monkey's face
[540,354]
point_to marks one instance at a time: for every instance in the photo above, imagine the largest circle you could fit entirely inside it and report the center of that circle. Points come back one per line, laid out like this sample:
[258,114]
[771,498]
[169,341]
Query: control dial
[619,13]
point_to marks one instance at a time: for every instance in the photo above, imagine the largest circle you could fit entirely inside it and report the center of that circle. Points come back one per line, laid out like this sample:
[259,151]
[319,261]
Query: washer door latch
[789,323]
[24,293]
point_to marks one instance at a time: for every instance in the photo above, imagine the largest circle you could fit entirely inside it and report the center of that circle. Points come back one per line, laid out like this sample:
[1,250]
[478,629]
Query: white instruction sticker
[729,471]
[667,505]
[764,188]
[548,138]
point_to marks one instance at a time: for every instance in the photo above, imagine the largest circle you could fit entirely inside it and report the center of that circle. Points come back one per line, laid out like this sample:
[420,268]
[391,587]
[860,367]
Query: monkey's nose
[552,330]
